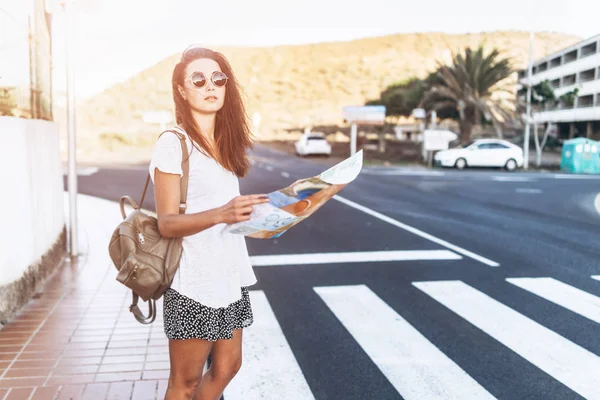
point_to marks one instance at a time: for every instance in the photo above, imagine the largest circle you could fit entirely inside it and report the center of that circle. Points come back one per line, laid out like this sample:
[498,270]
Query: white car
[313,144]
[482,153]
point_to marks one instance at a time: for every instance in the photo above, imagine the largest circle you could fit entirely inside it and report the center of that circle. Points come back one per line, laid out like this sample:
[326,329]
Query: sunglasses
[218,78]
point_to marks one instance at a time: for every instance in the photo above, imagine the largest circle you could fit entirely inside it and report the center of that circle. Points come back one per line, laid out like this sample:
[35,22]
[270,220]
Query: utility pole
[71,126]
[528,107]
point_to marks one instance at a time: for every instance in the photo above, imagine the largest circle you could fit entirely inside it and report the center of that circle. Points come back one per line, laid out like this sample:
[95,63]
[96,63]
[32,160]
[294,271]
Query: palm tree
[472,85]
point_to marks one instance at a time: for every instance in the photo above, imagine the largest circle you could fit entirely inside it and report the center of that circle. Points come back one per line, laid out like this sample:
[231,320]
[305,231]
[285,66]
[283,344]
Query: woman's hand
[239,208]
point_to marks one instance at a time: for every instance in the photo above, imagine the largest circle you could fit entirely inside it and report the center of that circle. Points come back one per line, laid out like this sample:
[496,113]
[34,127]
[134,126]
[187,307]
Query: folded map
[296,202]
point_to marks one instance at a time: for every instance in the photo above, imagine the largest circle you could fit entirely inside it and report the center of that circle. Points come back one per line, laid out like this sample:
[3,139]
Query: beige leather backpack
[146,261]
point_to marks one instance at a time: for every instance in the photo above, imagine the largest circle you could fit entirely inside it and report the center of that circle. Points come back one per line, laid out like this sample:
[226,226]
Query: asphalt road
[439,304]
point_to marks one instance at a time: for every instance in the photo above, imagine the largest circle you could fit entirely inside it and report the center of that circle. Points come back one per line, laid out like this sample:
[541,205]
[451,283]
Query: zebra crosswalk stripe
[412,364]
[569,297]
[269,364]
[574,366]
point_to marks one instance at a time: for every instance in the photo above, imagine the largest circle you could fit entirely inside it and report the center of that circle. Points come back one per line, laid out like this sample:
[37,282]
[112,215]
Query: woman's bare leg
[226,360]
[187,358]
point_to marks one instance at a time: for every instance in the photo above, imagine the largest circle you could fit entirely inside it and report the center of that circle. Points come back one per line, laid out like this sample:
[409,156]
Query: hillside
[294,85]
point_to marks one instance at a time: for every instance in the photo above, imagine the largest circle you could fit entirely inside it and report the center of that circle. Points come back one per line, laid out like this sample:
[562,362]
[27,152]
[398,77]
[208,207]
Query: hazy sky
[116,38]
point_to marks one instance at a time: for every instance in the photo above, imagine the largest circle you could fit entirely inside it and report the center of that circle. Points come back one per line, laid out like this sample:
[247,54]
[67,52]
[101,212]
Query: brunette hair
[232,133]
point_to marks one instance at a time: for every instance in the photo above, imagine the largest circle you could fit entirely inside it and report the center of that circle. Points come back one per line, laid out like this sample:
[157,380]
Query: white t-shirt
[215,264]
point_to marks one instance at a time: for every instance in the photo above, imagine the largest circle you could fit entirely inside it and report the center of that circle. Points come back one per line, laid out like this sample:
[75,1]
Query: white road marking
[528,191]
[269,366]
[511,179]
[268,168]
[574,366]
[596,277]
[285,174]
[416,231]
[354,257]
[575,176]
[569,297]
[597,203]
[412,364]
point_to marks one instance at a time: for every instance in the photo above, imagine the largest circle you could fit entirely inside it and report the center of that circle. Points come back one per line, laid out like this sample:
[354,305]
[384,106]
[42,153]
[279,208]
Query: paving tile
[74,353]
[10,348]
[39,355]
[158,342]
[45,393]
[3,393]
[37,348]
[140,338]
[118,377]
[75,369]
[49,363]
[120,391]
[63,362]
[7,356]
[90,339]
[19,394]
[27,372]
[86,345]
[160,374]
[21,382]
[157,357]
[92,332]
[70,379]
[153,365]
[162,389]
[121,367]
[131,351]
[127,344]
[123,359]
[144,390]
[13,341]
[71,392]
[95,391]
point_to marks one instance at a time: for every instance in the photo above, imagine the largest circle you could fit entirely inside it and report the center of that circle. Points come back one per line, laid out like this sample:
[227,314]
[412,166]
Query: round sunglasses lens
[219,79]
[198,79]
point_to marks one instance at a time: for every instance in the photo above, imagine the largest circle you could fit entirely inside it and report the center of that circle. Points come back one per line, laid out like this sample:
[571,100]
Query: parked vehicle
[482,153]
[313,144]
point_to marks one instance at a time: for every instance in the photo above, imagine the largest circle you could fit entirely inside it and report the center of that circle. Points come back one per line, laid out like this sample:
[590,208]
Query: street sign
[438,139]
[364,115]
[419,113]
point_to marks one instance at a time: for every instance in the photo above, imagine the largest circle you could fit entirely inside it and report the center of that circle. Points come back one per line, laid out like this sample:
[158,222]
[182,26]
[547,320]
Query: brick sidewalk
[76,339]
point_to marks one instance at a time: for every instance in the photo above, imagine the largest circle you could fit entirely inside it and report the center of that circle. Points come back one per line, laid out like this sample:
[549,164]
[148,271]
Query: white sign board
[437,139]
[364,115]
[419,113]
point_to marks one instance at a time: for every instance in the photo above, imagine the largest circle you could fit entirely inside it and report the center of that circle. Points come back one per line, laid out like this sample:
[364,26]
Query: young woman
[207,305]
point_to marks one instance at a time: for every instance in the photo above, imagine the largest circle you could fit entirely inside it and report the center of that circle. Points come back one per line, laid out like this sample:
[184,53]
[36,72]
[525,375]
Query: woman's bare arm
[173,224]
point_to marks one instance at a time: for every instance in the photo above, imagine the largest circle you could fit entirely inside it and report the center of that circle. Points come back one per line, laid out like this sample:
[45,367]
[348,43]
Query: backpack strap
[185,167]
[138,314]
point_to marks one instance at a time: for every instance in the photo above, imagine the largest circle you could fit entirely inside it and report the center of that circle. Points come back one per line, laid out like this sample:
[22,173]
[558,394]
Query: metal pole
[71,131]
[528,109]
[353,133]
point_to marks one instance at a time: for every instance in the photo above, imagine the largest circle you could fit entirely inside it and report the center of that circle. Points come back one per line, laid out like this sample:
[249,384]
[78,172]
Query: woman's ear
[181,92]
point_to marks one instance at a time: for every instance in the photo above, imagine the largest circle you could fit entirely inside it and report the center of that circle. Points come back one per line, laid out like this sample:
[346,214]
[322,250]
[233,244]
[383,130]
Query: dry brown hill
[294,85]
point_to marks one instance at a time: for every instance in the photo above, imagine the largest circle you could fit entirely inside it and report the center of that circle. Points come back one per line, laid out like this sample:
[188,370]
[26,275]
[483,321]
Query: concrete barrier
[32,233]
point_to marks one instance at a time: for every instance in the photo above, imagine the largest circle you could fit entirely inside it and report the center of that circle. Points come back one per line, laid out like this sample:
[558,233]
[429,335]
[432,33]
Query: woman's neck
[206,125]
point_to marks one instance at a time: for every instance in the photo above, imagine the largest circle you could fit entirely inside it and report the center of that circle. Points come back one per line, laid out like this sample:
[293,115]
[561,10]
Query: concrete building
[575,67]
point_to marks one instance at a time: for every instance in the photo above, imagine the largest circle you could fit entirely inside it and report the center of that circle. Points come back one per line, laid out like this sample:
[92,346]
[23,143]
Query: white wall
[569,115]
[31,193]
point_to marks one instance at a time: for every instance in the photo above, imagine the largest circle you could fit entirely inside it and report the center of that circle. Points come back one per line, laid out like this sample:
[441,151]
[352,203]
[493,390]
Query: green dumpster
[580,156]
